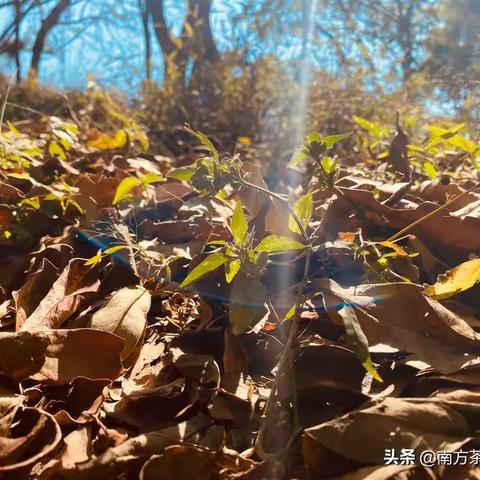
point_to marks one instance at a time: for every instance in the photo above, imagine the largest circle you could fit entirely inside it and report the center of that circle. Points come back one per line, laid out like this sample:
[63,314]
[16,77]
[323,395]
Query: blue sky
[109,47]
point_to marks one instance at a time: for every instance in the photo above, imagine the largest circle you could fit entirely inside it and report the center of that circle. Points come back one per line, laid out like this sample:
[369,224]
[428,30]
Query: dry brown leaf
[182,463]
[59,356]
[362,436]
[400,315]
[33,436]
[65,296]
[125,315]
[119,458]
[276,218]
[446,234]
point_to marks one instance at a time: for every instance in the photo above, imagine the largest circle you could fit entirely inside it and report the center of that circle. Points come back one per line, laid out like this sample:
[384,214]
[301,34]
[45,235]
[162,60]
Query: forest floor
[177,317]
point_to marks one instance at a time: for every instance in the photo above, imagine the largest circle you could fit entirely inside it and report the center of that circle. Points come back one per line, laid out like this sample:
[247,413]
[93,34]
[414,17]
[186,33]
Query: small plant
[244,264]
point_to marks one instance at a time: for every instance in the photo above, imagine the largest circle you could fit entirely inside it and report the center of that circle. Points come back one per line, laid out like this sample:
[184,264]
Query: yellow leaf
[95,259]
[55,150]
[368,366]
[396,248]
[115,249]
[125,187]
[12,128]
[245,140]
[19,176]
[189,29]
[231,269]
[456,280]
[105,142]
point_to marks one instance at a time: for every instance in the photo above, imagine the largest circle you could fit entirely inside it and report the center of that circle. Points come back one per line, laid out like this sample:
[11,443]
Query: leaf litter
[160,322]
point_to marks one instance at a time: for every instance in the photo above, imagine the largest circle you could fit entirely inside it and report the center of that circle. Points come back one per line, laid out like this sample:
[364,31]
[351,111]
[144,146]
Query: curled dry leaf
[64,298]
[77,404]
[114,460]
[33,435]
[247,304]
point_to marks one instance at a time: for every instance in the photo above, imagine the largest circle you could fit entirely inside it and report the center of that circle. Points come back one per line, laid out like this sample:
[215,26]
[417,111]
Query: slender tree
[50,21]
[142,6]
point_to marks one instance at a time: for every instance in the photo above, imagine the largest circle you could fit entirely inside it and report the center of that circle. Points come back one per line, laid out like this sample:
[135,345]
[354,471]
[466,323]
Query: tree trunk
[173,74]
[18,16]
[48,24]
[199,18]
[196,43]
[405,24]
[142,5]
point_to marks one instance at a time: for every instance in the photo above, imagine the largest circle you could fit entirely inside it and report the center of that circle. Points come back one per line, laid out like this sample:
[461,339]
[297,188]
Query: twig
[4,105]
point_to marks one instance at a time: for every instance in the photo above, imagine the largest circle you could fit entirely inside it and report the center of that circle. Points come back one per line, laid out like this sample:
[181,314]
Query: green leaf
[314,137]
[239,224]
[297,158]
[183,173]
[277,244]
[331,140]
[456,280]
[124,188]
[151,178]
[247,304]
[217,242]
[205,141]
[303,208]
[75,205]
[212,262]
[356,339]
[329,165]
[437,132]
[231,269]
[430,170]
[19,176]
[105,142]
[364,123]
[33,202]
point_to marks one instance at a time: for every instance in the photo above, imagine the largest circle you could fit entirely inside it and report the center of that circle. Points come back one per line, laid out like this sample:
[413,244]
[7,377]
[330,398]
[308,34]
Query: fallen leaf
[362,436]
[33,436]
[64,298]
[125,315]
[59,356]
[400,315]
[456,280]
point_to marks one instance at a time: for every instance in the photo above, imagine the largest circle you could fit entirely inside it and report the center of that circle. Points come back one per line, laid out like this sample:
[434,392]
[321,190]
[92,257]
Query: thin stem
[286,361]
[4,105]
